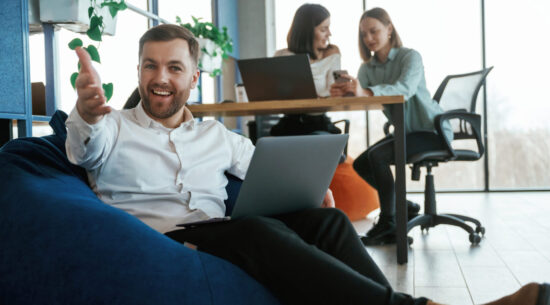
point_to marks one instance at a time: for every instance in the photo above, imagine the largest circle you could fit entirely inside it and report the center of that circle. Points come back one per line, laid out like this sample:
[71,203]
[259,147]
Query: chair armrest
[346,124]
[386,127]
[474,120]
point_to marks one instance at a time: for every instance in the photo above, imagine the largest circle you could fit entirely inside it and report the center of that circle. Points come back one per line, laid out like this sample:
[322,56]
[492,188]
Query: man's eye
[176,68]
[149,66]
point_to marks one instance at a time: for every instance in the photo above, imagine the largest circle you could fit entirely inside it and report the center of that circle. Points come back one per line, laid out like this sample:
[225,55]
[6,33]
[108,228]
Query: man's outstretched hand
[91,98]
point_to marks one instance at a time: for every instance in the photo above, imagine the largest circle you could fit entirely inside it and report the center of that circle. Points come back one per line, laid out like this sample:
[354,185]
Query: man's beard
[176,104]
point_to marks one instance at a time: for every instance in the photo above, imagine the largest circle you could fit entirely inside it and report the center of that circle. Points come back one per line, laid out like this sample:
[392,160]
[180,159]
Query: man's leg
[296,271]
[331,231]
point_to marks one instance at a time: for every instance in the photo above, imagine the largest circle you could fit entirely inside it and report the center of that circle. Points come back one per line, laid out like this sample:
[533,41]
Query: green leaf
[94,33]
[122,6]
[73,79]
[75,43]
[216,72]
[94,54]
[95,22]
[113,10]
[108,88]
[90,12]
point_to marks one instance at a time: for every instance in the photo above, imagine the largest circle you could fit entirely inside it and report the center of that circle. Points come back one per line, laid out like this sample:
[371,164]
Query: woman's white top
[321,71]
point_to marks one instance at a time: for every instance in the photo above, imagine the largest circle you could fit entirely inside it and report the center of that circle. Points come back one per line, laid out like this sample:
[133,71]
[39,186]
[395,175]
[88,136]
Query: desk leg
[400,184]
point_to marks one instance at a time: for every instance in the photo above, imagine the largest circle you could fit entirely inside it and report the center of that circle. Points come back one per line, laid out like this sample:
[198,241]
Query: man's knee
[331,215]
[258,225]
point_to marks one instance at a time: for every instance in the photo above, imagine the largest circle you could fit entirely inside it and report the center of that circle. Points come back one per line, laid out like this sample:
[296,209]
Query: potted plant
[75,15]
[97,27]
[215,45]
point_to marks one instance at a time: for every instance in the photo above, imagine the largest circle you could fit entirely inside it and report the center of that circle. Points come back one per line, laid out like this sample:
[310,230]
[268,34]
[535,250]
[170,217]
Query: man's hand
[91,98]
[328,201]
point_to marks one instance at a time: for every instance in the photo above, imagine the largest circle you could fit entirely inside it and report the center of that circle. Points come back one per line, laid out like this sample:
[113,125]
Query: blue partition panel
[15,77]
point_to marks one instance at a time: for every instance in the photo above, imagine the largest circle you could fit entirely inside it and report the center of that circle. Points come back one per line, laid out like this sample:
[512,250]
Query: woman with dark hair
[390,69]
[309,34]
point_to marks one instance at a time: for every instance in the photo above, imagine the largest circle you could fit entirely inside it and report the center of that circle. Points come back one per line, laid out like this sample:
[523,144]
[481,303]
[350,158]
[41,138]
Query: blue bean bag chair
[59,244]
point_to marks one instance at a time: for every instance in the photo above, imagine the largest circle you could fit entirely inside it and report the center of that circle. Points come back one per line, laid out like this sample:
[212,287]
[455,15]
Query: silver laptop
[286,174]
[277,78]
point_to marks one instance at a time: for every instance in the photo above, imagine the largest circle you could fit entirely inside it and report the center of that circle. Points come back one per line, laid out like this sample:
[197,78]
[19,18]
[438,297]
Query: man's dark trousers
[307,257]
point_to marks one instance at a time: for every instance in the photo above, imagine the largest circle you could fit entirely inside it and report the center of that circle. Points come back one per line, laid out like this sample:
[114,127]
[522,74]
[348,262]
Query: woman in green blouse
[390,69]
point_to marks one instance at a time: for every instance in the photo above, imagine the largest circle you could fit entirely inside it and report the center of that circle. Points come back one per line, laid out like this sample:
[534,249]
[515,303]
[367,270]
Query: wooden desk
[335,104]
[293,106]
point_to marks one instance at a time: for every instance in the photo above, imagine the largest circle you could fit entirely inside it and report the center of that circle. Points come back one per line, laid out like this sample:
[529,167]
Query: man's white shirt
[162,176]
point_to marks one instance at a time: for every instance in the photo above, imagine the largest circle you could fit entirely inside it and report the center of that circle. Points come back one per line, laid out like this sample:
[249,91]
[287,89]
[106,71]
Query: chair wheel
[475,238]
[480,230]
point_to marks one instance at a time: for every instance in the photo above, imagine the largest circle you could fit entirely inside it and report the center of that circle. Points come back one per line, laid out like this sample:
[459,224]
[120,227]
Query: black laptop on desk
[277,78]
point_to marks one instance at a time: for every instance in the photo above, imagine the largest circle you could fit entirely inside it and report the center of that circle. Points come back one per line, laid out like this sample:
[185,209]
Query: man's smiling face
[167,74]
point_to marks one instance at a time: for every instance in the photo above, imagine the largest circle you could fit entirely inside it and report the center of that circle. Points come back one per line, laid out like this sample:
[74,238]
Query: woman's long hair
[302,31]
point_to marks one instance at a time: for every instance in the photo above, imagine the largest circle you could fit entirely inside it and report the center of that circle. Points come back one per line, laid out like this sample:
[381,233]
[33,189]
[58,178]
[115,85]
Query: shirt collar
[145,121]
[391,56]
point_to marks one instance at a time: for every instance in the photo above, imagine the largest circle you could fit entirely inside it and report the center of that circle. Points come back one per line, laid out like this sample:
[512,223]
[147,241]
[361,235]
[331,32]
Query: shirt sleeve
[411,73]
[242,151]
[89,145]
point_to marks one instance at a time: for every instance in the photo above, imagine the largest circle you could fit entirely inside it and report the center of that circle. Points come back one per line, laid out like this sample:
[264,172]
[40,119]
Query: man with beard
[156,163]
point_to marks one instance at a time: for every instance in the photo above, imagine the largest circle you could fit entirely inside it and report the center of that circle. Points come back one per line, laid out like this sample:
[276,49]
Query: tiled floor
[443,265]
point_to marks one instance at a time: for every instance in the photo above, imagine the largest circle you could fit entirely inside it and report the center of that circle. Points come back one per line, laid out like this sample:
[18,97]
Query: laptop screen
[277,78]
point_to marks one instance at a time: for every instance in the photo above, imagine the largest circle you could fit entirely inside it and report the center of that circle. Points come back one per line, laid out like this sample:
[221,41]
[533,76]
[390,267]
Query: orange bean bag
[355,197]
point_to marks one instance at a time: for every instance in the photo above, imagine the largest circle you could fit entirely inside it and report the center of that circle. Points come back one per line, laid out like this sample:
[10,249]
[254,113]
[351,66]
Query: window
[450,43]
[344,25]
[168,10]
[119,53]
[119,59]
[518,104]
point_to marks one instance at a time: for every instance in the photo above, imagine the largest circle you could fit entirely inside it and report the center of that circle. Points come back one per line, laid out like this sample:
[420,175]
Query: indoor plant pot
[73,15]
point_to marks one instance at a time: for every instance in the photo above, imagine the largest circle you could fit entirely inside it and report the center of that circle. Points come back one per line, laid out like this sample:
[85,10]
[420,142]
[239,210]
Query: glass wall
[119,53]
[449,41]
[119,59]
[518,105]
[344,25]
[168,10]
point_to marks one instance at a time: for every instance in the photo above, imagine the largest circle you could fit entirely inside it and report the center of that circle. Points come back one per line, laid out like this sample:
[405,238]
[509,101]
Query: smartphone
[338,76]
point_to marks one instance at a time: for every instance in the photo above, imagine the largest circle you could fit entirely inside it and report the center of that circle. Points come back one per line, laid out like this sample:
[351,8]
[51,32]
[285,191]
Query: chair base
[431,219]
[426,221]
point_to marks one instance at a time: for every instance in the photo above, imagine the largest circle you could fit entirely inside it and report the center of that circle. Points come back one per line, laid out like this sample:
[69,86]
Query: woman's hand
[328,201]
[344,88]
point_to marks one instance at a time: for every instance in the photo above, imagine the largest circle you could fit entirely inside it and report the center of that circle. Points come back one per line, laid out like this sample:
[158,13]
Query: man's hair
[168,32]
[381,15]
[302,31]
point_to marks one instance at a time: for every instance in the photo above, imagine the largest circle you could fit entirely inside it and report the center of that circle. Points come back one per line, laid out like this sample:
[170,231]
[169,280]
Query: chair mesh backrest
[461,92]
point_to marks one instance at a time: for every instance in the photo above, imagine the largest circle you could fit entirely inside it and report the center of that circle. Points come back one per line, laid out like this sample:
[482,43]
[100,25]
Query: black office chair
[261,126]
[132,100]
[457,95]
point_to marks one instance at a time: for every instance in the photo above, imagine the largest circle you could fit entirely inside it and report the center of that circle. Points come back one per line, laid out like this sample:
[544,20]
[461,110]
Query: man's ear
[195,79]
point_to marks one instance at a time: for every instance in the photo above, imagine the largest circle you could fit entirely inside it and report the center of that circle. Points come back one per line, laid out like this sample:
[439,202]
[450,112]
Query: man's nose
[162,75]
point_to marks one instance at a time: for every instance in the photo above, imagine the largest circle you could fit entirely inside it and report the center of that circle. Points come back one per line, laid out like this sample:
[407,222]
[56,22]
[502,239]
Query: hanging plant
[95,32]
[215,44]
